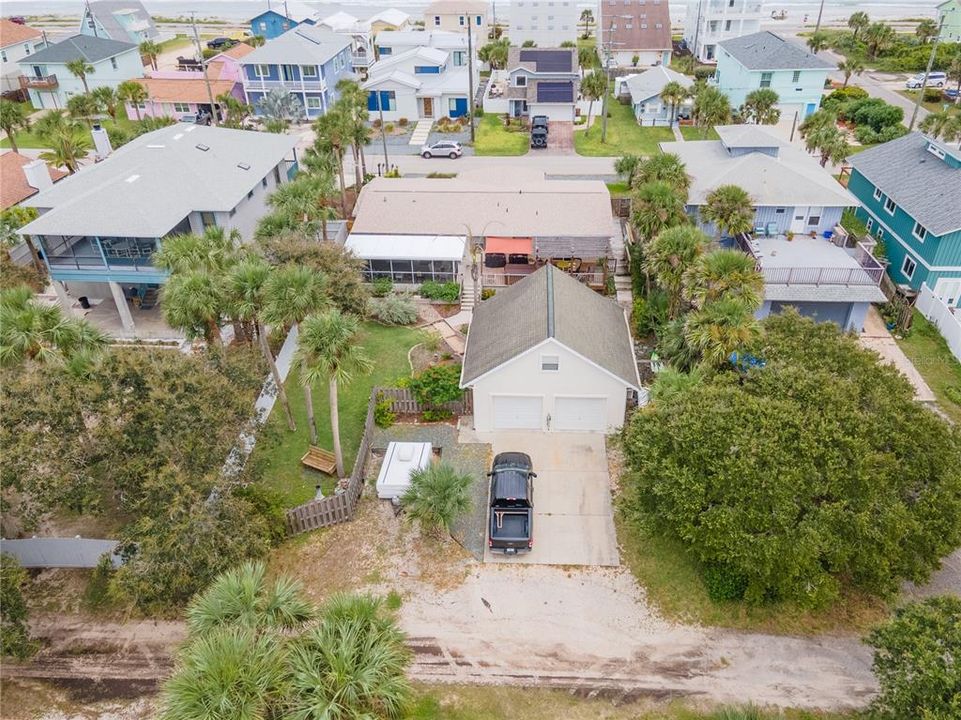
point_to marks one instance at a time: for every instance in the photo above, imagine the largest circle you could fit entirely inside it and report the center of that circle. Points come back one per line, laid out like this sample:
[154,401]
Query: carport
[573,514]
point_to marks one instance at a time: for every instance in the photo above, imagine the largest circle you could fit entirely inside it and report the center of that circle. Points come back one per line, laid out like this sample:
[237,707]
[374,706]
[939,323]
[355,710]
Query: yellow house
[455,16]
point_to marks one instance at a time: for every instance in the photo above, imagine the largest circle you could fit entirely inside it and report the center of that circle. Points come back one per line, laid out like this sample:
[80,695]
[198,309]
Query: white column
[65,302]
[121,302]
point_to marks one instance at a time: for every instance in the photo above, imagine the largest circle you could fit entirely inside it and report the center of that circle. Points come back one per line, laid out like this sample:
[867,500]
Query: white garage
[550,354]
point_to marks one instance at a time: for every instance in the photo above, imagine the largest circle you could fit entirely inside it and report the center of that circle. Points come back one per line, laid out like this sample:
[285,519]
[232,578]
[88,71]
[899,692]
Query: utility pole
[817,25]
[924,82]
[383,133]
[203,66]
[697,32]
[470,77]
[608,57]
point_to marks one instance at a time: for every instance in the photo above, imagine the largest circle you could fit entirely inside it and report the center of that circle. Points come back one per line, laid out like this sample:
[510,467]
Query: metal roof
[767,51]
[555,91]
[923,185]
[549,304]
[304,44]
[407,247]
[91,49]
[145,188]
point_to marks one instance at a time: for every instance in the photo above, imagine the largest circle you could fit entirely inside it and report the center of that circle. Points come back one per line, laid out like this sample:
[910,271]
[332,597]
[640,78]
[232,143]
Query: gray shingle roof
[149,185]
[549,304]
[304,44]
[92,49]
[927,188]
[649,83]
[767,51]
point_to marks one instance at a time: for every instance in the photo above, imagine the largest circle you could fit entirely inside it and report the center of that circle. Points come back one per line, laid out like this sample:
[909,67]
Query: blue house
[280,18]
[910,193]
[765,60]
[307,61]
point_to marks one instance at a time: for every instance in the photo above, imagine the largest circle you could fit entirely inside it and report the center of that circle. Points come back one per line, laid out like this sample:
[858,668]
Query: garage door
[821,312]
[517,412]
[580,413]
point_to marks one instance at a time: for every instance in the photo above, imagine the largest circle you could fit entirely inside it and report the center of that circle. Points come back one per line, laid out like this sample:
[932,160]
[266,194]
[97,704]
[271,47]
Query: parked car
[444,148]
[935,79]
[18,19]
[511,503]
[538,138]
[221,43]
[950,94]
[540,121]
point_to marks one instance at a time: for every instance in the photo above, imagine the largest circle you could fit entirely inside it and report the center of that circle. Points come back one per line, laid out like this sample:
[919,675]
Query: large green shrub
[448,291]
[874,112]
[393,310]
[437,496]
[435,387]
[650,313]
[381,287]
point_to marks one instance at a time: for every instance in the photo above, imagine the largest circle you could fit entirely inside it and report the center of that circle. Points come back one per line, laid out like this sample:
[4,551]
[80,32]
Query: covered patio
[409,259]
[508,260]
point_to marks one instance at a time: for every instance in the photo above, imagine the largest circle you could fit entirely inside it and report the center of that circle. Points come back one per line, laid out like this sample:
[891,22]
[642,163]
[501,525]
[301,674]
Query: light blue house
[805,257]
[279,17]
[50,84]
[910,193]
[765,60]
[124,20]
[644,91]
[307,61]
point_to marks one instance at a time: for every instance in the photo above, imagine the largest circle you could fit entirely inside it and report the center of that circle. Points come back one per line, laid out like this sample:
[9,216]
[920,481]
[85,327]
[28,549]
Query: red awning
[509,245]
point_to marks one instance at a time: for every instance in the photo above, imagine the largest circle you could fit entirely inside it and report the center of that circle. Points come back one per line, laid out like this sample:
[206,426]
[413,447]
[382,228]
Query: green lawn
[694,133]
[28,139]
[618,189]
[624,135]
[493,138]
[175,43]
[925,347]
[934,107]
[278,451]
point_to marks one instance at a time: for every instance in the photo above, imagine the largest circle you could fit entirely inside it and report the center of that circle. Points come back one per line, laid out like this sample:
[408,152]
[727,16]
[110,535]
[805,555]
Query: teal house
[910,194]
[766,60]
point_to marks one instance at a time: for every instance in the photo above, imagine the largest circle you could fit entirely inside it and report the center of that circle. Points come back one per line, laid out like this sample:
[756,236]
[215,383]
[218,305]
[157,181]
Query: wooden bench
[320,459]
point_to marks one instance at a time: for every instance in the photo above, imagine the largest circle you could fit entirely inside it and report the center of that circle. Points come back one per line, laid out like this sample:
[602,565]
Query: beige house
[456,16]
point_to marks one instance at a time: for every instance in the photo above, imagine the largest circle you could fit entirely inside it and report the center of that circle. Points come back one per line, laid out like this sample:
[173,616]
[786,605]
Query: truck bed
[510,529]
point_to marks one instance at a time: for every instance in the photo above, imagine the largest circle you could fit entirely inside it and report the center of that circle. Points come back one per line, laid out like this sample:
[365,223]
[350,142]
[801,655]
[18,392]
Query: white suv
[444,148]
[935,79]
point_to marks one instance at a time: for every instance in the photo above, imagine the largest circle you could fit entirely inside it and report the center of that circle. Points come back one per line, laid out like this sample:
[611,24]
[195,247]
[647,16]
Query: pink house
[180,93]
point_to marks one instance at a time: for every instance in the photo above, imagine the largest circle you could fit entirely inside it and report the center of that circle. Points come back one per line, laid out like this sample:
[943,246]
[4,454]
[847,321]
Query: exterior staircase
[467,297]
[421,132]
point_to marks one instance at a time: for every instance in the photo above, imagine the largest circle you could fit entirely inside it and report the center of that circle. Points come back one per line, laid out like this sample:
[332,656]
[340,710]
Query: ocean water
[242,9]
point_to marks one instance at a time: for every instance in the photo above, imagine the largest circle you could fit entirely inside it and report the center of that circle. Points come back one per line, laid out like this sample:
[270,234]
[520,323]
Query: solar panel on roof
[559,92]
[548,60]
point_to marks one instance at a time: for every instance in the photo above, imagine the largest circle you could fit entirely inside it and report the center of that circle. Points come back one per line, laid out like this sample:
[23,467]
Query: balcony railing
[594,278]
[47,82]
[360,60]
[267,85]
[868,272]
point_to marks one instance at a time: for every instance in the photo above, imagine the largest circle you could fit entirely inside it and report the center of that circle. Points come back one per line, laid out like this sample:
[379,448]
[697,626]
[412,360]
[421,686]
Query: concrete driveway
[573,520]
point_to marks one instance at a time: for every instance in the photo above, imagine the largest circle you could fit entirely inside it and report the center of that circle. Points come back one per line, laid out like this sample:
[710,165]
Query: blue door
[458,107]
[810,109]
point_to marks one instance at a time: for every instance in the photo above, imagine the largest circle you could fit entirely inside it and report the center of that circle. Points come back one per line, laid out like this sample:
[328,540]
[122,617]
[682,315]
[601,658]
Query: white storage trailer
[401,459]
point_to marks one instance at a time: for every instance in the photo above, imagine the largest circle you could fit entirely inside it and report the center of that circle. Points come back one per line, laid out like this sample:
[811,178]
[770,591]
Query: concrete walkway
[421,132]
[678,135]
[876,337]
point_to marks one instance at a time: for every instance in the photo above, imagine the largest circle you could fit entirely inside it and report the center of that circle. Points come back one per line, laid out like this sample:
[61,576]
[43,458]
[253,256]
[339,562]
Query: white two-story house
[16,42]
[423,82]
[546,23]
[708,22]
[48,81]
[542,81]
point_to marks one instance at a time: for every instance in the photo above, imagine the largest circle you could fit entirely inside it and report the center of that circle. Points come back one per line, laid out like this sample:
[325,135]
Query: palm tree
[587,17]
[593,88]
[327,350]
[80,68]
[231,672]
[878,36]
[195,301]
[83,107]
[495,53]
[666,167]
[674,93]
[243,597]
[235,111]
[729,209]
[586,58]
[821,134]
[107,100]
[850,66]
[351,666]
[13,118]
[66,148]
[30,330]
[437,496]
[668,257]
[926,30]
[760,107]
[817,42]
[655,206]
[246,289]
[132,93]
[942,125]
[307,199]
[858,22]
[711,107]
[626,166]
[354,101]
[150,50]
[291,293]
[256,41]
[724,274]
[333,137]
[214,251]
[720,328]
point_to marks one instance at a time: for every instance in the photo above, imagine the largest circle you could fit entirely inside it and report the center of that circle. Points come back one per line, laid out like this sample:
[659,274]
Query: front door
[428,107]
[799,220]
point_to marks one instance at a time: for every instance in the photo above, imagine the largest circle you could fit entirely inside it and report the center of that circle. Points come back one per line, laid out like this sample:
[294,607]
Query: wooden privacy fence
[340,507]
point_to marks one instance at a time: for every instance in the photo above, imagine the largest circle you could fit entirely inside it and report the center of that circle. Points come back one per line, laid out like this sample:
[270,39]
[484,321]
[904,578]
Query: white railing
[594,278]
[302,85]
[943,318]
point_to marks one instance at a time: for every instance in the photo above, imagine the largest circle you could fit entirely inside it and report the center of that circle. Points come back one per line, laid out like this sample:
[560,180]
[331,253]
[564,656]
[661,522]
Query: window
[478,20]
[385,51]
[779,211]
[520,81]
[908,267]
[3,55]
[313,103]
[233,211]
[920,232]
[208,219]
[461,20]
[181,107]
[765,79]
[869,224]
[113,63]
[460,58]
[727,25]
[730,3]
[437,20]
[877,193]
[261,71]
[796,78]
[263,26]
[26,47]
[250,194]
[308,71]
[814,221]
[889,205]
[263,181]
[712,26]
[550,363]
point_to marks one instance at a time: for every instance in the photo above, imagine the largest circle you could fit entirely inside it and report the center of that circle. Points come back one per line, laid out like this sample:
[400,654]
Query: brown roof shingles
[12,33]
[238,51]
[186,90]
[640,31]
[13,183]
